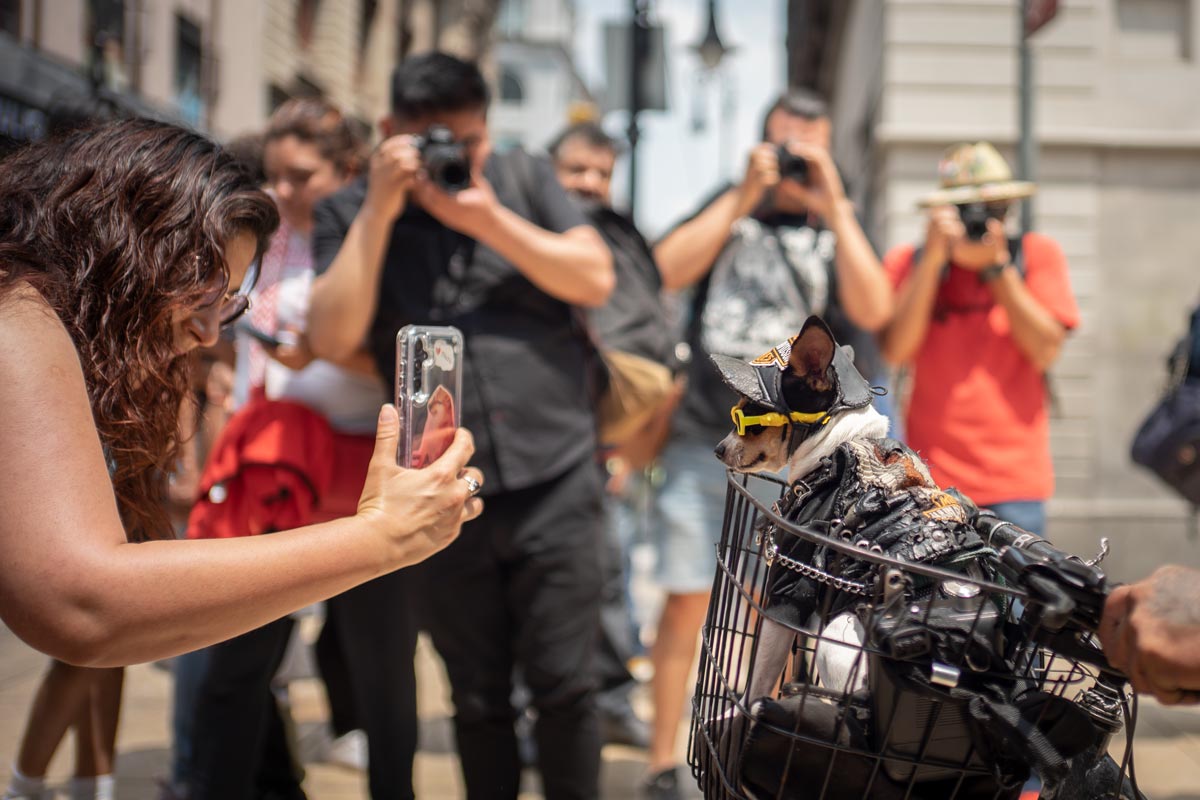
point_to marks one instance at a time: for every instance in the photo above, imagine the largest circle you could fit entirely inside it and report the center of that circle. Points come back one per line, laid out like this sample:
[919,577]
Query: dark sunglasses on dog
[773,419]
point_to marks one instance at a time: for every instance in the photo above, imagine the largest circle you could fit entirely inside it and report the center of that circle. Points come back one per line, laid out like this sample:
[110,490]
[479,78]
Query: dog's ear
[812,355]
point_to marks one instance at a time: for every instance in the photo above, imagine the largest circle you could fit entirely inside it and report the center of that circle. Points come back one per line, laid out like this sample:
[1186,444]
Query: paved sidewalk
[1168,749]
[144,738]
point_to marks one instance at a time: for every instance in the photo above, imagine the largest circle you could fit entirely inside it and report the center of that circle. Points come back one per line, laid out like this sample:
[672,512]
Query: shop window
[306,22]
[106,43]
[510,20]
[189,69]
[1154,30]
[366,21]
[10,17]
[511,88]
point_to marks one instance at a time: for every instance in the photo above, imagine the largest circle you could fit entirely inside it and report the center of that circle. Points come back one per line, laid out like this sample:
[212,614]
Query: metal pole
[728,114]
[1026,149]
[639,43]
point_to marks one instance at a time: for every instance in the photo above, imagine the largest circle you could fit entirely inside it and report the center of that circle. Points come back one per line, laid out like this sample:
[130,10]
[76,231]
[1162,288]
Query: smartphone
[428,391]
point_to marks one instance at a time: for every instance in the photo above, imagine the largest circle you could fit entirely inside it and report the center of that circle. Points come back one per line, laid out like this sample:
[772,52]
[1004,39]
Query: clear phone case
[428,389]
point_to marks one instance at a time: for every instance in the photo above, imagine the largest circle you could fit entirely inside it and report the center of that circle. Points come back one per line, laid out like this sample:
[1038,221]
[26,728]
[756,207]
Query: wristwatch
[989,274]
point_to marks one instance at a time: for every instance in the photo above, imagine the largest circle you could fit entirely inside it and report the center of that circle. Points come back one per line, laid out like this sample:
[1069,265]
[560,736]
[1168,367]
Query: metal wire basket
[904,681]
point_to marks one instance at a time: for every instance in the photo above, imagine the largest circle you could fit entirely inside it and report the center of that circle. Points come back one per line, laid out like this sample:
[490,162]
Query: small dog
[798,403]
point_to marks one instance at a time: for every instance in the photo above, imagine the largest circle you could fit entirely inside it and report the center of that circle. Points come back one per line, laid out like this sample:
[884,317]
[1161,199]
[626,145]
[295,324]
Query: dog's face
[808,387]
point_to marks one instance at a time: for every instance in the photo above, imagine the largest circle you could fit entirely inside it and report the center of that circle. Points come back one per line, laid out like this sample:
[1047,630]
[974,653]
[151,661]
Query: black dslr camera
[444,159]
[975,218]
[792,166]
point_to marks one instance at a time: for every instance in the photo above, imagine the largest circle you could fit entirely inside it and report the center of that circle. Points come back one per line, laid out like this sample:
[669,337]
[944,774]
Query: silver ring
[473,485]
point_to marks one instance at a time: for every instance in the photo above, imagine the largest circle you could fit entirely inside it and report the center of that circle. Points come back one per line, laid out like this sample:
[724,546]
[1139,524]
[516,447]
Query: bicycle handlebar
[1066,594]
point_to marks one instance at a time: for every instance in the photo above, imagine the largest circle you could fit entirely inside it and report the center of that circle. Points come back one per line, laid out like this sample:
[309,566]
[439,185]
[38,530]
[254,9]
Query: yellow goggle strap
[773,419]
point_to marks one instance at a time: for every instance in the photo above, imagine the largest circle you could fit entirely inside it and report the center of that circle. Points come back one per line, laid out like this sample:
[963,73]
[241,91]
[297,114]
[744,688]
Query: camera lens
[975,218]
[791,166]
[454,175]
[445,160]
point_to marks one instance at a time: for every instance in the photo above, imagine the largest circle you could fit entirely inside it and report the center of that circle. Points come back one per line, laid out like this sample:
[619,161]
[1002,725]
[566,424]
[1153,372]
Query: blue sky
[679,167]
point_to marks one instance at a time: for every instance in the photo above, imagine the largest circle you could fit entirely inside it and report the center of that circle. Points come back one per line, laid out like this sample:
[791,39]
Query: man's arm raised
[687,253]
[574,266]
[345,295]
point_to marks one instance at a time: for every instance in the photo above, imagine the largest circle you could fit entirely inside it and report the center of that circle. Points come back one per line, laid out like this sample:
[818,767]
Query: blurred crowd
[561,300]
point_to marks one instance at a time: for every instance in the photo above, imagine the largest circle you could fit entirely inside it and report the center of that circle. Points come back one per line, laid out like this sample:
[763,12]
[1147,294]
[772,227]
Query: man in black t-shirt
[763,255]
[503,262]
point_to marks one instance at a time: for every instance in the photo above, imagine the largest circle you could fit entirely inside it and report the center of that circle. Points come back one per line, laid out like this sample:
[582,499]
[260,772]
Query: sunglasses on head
[773,419]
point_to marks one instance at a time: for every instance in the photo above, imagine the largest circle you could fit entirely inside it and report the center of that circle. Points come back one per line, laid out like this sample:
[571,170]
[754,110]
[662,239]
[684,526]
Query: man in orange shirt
[980,319]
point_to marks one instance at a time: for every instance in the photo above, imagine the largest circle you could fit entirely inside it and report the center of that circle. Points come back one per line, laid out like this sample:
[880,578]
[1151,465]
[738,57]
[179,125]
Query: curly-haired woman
[122,248]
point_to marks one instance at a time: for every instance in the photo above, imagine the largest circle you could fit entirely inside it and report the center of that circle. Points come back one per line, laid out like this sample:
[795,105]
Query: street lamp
[711,49]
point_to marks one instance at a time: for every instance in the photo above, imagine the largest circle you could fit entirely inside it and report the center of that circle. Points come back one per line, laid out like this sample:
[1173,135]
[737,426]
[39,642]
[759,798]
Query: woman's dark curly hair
[118,226]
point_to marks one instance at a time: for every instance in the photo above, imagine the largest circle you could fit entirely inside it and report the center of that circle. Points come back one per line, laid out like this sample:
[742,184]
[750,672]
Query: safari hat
[975,173]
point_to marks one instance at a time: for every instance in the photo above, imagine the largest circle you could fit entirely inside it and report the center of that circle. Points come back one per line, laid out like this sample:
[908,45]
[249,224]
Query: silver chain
[771,554]
[1091,562]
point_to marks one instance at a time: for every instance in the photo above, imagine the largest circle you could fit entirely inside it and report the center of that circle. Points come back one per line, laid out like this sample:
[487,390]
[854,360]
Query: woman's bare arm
[71,586]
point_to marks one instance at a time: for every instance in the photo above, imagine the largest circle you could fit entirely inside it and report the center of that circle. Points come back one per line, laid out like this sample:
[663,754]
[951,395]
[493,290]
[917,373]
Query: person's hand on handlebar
[417,512]
[1151,631]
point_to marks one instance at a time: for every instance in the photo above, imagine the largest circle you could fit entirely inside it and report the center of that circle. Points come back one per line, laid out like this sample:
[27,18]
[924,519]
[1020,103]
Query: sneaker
[348,750]
[662,786]
[622,726]
[27,792]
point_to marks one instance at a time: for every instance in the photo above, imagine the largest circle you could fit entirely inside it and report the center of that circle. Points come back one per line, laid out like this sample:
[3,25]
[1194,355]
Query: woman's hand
[417,511]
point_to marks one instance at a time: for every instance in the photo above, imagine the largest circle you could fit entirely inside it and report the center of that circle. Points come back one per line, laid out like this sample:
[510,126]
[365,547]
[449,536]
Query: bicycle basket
[881,677]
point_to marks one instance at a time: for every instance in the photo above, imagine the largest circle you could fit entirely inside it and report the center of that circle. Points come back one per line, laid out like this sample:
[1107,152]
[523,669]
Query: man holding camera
[441,232]
[980,319]
[763,255]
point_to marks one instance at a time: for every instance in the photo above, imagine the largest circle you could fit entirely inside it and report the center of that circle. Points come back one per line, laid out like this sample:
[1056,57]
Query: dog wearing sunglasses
[797,403]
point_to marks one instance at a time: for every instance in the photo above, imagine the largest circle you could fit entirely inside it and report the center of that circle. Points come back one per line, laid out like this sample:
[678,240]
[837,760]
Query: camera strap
[448,288]
[793,267]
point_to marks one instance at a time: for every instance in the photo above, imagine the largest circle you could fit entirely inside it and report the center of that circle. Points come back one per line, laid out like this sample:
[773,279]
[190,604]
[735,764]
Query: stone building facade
[1118,129]
[223,65]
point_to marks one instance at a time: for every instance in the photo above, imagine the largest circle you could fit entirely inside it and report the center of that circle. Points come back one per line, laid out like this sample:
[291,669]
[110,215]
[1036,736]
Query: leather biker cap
[761,380]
